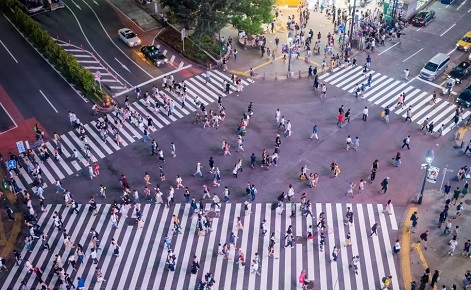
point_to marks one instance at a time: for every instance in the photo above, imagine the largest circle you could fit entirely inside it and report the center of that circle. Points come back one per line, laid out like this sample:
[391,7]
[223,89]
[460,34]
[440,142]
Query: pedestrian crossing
[86,59]
[142,260]
[130,131]
[384,91]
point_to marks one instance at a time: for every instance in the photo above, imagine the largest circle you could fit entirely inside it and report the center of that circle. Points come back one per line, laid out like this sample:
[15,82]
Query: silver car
[129,37]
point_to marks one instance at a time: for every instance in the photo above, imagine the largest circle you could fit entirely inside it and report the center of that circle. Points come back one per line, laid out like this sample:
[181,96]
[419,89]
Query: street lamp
[290,39]
[353,22]
[429,156]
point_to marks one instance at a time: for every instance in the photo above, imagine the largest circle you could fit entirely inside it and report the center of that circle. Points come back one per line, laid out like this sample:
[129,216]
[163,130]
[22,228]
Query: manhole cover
[211,214]
[467,201]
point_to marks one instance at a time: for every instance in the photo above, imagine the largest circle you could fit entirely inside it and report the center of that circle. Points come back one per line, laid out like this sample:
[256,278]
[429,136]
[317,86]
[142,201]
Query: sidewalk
[415,258]
[251,58]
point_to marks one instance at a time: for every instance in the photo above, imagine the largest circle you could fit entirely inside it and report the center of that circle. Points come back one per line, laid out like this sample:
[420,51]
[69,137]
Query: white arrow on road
[76,5]
[96,3]
[125,67]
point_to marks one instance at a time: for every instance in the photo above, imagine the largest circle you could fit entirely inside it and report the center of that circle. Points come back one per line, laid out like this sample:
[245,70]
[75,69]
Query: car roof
[126,30]
[151,47]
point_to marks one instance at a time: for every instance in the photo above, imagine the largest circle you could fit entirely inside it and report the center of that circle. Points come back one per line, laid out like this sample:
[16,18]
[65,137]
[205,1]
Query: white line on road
[122,65]
[96,3]
[448,30]
[461,5]
[76,4]
[8,51]
[117,47]
[48,101]
[451,51]
[90,44]
[413,54]
[420,28]
[8,115]
[151,80]
[388,48]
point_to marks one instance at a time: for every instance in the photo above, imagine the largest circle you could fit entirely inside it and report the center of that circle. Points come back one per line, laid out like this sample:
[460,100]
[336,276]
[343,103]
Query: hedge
[65,63]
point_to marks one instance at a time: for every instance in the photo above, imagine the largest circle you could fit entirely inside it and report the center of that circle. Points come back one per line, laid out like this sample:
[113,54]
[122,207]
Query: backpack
[384,279]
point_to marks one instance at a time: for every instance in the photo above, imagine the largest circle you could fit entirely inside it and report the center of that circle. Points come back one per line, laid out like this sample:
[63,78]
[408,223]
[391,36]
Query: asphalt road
[419,45]
[35,88]
[94,25]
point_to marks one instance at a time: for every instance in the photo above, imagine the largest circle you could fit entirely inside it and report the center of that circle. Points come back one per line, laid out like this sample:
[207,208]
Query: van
[434,67]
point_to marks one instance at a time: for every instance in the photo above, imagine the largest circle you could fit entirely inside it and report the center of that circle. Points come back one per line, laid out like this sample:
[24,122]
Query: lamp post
[429,156]
[290,38]
[353,22]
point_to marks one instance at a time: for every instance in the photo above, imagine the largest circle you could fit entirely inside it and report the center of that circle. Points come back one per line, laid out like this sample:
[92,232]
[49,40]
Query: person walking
[99,275]
[397,247]
[335,254]
[374,229]
[406,142]
[354,263]
[414,220]
[424,238]
[374,169]
[198,170]
[314,133]
[350,189]
[365,114]
[386,282]
[406,74]
[435,277]
[384,185]
[388,208]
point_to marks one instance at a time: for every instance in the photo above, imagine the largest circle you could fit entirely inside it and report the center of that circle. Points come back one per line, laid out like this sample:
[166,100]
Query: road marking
[461,5]
[109,37]
[448,30]
[11,242]
[405,249]
[451,51]
[181,64]
[76,5]
[48,101]
[122,65]
[11,118]
[96,3]
[172,59]
[90,44]
[165,52]
[388,48]
[151,80]
[8,51]
[420,28]
[413,54]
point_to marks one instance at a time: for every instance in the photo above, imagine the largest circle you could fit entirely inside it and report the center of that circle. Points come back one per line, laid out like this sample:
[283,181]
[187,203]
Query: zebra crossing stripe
[343,256]
[358,77]
[391,101]
[224,237]
[194,87]
[199,249]
[322,254]
[256,233]
[153,254]
[376,87]
[288,251]
[331,236]
[212,246]
[207,86]
[375,242]
[244,245]
[121,132]
[366,248]
[80,156]
[299,247]
[222,75]
[146,113]
[390,93]
[426,114]
[412,102]
[388,247]
[355,251]
[263,256]
[25,175]
[97,139]
[310,250]
[81,145]
[230,264]
[277,254]
[337,78]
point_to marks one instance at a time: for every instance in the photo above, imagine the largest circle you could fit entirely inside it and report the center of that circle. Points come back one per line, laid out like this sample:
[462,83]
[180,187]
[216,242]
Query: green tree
[249,15]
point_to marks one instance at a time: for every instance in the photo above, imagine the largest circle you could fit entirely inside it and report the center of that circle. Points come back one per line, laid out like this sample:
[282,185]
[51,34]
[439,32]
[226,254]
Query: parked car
[464,99]
[465,42]
[460,72]
[423,17]
[129,37]
[153,54]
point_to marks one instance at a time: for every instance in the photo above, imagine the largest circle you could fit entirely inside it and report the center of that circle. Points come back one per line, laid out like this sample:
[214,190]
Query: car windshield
[130,35]
[431,66]
[466,39]
[153,52]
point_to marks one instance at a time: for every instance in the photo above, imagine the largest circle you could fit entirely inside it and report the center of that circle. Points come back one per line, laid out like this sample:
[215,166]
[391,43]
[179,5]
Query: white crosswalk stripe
[384,91]
[88,60]
[141,264]
[129,131]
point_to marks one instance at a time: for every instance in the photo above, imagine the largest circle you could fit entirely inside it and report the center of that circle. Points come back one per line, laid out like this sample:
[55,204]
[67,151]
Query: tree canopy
[209,16]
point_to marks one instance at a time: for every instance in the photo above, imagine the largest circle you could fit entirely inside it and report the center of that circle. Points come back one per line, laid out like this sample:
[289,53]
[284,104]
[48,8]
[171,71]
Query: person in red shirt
[340,120]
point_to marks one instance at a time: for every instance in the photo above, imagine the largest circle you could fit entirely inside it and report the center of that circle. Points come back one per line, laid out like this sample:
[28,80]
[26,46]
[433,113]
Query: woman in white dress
[388,208]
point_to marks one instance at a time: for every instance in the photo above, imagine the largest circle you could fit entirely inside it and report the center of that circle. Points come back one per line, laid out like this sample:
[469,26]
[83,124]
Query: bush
[64,62]
[172,38]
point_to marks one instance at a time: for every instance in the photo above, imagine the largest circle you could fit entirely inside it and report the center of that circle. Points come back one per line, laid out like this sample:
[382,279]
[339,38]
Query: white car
[129,37]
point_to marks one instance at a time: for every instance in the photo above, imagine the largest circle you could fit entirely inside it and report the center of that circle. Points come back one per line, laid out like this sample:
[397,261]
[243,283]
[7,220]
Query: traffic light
[223,47]
[5,184]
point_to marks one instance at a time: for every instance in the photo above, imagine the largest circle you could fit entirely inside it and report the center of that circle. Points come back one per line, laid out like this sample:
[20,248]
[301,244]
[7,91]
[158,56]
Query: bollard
[299,73]
[264,75]
[276,75]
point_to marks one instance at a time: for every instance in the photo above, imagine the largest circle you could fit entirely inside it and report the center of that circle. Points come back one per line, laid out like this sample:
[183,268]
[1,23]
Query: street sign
[11,164]
[20,146]
[432,174]
[97,75]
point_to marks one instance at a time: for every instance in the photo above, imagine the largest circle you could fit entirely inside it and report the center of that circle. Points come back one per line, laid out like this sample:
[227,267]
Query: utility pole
[353,22]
